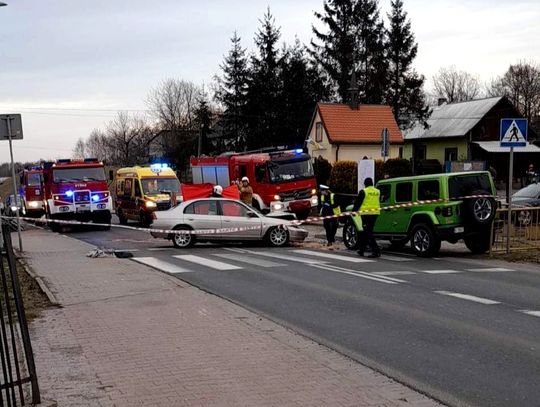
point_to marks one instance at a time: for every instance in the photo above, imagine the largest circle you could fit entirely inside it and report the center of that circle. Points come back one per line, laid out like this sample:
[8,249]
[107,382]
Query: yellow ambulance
[142,190]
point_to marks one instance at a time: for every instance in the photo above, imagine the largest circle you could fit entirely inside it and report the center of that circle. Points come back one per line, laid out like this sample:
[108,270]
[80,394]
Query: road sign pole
[509,199]
[14,184]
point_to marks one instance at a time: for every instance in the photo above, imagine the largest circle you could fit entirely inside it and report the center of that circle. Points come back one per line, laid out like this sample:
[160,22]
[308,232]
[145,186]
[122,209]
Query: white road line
[401,254]
[469,297]
[393,273]
[126,250]
[325,255]
[218,265]
[355,273]
[529,312]
[249,260]
[439,271]
[395,280]
[395,258]
[160,265]
[283,257]
[489,270]
[157,249]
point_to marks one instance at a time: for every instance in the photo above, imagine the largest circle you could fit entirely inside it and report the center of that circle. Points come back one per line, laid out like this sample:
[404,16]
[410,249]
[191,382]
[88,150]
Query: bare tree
[521,84]
[174,103]
[455,86]
[79,151]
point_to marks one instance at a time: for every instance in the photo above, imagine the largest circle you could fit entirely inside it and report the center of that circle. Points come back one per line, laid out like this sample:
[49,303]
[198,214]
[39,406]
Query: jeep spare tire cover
[480,208]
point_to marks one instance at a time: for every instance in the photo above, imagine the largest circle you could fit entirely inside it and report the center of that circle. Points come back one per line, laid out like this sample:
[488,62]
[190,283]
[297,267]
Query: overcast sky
[69,65]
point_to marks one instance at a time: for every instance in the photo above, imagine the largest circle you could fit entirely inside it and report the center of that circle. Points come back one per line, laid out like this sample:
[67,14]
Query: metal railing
[516,230]
[18,371]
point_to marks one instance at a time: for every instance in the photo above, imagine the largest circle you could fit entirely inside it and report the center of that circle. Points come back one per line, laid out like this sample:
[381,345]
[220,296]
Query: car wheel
[480,210]
[144,220]
[478,243]
[121,218]
[277,236]
[350,235]
[424,241]
[183,240]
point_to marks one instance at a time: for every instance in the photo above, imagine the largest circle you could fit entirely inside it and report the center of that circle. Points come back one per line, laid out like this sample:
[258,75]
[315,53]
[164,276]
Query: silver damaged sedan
[217,220]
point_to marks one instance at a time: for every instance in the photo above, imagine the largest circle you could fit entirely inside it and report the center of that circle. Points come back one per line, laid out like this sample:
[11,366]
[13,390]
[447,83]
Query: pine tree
[203,120]
[405,93]
[263,91]
[231,92]
[353,40]
[301,89]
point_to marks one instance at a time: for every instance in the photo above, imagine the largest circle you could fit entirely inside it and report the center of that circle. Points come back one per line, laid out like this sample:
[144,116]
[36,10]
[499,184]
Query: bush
[394,167]
[344,177]
[322,169]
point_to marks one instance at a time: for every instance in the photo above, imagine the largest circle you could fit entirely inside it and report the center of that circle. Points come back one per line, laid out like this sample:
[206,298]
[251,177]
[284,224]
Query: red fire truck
[32,192]
[76,190]
[282,180]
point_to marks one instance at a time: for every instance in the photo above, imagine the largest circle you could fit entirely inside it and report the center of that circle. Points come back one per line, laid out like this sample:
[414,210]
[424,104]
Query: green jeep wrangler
[456,215]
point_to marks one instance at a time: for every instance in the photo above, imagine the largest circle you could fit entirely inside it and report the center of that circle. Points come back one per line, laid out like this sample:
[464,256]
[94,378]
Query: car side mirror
[111,175]
[252,215]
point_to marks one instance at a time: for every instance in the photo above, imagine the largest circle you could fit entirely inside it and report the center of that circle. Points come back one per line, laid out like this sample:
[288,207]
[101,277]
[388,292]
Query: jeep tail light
[447,211]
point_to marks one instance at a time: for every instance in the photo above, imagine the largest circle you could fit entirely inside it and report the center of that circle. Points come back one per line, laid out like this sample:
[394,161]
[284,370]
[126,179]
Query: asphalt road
[461,329]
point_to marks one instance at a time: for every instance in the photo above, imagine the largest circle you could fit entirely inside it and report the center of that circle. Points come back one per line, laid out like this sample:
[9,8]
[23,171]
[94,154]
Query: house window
[419,152]
[450,154]
[318,132]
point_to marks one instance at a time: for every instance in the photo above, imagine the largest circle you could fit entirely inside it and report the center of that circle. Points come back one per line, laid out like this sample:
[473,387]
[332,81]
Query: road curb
[42,285]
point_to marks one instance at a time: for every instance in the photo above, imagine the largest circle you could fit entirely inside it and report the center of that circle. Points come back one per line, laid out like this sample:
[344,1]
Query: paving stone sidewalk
[127,335]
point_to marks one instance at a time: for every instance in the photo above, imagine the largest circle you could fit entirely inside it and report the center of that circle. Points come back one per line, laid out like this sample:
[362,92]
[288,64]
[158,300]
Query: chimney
[441,101]
[353,92]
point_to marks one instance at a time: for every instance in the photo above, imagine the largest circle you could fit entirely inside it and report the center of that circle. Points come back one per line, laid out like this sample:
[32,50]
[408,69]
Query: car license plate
[460,229]
[82,208]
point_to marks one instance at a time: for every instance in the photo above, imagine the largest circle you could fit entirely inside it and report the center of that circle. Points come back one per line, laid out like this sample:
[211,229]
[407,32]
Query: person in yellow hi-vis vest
[328,208]
[368,202]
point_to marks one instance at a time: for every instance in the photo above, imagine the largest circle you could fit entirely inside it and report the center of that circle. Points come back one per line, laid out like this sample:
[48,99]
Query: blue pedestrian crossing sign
[513,133]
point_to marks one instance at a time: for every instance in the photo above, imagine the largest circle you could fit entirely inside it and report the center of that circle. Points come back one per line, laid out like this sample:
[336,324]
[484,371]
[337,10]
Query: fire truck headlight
[69,193]
[33,204]
[95,198]
[313,191]
[150,204]
[277,198]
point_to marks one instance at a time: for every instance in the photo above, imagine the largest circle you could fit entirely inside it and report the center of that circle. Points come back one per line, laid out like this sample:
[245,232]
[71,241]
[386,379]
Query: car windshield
[79,174]
[460,186]
[160,185]
[531,191]
[290,170]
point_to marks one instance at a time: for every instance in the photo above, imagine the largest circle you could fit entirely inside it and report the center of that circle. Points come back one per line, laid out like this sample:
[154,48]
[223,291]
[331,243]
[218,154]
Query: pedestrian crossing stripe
[513,133]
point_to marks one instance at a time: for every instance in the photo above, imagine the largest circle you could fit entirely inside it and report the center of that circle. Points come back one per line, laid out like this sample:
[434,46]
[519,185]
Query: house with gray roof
[468,131]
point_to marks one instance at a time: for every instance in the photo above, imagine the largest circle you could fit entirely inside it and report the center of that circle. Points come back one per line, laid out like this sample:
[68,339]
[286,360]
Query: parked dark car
[524,198]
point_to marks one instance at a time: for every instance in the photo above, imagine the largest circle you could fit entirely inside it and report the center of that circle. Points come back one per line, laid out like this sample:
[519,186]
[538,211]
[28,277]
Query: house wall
[435,148]
[352,152]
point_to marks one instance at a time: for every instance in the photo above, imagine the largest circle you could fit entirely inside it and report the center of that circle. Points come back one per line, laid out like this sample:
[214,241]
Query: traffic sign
[513,133]
[11,123]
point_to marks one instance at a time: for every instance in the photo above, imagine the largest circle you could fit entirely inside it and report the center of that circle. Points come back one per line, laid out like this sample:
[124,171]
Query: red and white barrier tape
[241,229]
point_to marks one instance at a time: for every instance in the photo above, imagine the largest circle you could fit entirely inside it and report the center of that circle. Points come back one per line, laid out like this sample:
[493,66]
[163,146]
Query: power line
[83,109]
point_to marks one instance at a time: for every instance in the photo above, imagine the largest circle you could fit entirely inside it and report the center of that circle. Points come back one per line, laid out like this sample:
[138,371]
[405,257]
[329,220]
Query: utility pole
[18,203]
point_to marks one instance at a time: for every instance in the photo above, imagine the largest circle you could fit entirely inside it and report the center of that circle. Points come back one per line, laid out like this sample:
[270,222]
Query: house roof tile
[358,126]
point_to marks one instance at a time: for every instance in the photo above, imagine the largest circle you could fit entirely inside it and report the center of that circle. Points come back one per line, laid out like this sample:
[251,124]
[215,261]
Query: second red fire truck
[282,180]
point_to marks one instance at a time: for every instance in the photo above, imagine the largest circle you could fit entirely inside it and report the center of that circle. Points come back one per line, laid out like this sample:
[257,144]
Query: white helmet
[218,189]
[245,179]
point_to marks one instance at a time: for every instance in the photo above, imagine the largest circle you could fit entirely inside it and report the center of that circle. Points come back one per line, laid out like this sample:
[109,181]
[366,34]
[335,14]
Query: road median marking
[468,297]
[356,273]
[489,270]
[439,271]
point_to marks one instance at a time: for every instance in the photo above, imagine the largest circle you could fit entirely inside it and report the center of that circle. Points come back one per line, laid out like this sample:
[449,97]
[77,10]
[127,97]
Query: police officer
[368,201]
[328,208]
